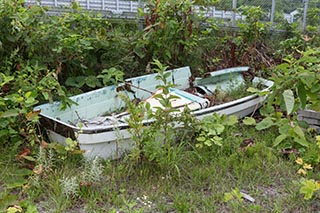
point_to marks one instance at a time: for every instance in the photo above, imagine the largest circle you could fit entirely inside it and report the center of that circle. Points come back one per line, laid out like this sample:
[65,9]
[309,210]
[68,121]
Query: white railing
[118,7]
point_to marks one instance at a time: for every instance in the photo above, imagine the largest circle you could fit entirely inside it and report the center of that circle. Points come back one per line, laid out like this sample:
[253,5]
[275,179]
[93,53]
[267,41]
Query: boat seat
[184,99]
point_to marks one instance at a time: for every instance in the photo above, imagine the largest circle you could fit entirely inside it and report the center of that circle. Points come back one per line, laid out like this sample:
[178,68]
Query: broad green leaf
[91,81]
[208,142]
[301,91]
[29,158]
[234,194]
[28,94]
[301,141]
[167,53]
[78,81]
[303,124]
[158,96]
[9,113]
[232,120]
[4,133]
[265,124]
[170,97]
[14,209]
[167,75]
[16,183]
[217,140]
[140,12]
[307,78]
[315,88]
[201,139]
[279,139]
[199,145]
[299,131]
[284,66]
[45,95]
[165,90]
[263,93]
[139,51]
[219,128]
[249,121]
[164,103]
[309,59]
[71,81]
[253,90]
[284,128]
[288,100]
[267,109]
[148,106]
[30,101]
[278,115]
[5,79]
[227,196]
[308,188]
[31,209]
[23,172]
[212,132]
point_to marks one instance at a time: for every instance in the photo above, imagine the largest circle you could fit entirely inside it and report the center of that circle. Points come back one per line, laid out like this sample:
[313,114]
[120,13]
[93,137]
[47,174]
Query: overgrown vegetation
[207,165]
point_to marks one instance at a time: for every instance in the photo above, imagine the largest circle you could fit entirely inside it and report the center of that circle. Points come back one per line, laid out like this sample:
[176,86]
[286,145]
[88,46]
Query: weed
[211,128]
[70,186]
[308,188]
[158,144]
[204,177]
[92,171]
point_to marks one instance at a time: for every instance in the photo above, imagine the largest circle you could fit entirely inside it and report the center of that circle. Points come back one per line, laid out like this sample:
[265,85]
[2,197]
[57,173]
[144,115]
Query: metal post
[117,5]
[55,3]
[88,4]
[234,7]
[304,22]
[103,6]
[273,11]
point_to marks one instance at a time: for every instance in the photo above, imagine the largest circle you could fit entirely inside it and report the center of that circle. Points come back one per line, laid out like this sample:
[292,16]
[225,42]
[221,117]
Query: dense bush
[44,58]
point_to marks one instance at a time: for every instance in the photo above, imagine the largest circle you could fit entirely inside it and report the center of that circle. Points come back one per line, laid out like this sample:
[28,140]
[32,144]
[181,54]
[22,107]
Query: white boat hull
[112,138]
[113,144]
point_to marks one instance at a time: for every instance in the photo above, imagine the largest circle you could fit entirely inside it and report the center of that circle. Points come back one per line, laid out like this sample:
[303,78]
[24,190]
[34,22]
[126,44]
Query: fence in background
[275,10]
[115,6]
[129,8]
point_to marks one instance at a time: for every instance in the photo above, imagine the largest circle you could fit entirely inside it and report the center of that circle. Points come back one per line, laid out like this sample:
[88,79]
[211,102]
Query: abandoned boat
[101,132]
